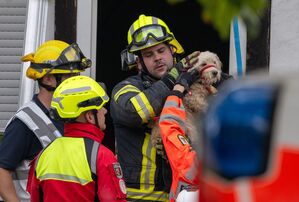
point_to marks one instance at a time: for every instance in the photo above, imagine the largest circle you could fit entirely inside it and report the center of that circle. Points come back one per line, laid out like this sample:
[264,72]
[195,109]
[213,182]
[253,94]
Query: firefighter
[182,157]
[77,167]
[31,128]
[138,99]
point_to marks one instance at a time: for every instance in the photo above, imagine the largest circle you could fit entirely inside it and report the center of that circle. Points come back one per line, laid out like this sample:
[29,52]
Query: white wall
[39,28]
[284,36]
[87,31]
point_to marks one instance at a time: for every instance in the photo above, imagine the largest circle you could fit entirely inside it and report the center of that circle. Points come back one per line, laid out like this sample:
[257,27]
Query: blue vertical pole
[237,47]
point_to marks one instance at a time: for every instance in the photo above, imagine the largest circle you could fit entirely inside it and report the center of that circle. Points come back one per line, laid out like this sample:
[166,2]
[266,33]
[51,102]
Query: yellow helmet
[148,31]
[55,57]
[76,95]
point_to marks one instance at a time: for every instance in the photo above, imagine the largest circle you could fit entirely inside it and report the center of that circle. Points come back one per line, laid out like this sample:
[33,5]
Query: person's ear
[139,66]
[89,117]
[138,60]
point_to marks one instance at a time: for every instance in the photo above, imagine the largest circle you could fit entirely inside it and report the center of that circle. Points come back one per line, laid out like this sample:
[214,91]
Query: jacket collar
[83,130]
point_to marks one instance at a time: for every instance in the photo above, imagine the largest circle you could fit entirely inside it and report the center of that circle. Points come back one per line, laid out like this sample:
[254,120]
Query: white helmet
[188,196]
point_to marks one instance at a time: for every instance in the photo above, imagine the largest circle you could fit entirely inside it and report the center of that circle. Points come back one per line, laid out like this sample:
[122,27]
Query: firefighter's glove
[187,62]
[182,66]
[186,79]
[174,73]
[170,78]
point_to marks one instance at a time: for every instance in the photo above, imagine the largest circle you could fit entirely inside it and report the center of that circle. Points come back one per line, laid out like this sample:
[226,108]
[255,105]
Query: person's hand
[174,73]
[186,79]
[184,64]
[187,62]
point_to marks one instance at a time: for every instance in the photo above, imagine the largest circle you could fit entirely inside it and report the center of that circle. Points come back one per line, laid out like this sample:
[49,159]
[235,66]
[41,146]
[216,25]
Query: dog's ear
[223,78]
[218,61]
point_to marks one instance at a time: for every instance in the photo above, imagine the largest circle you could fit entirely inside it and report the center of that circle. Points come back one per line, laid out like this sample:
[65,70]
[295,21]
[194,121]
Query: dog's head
[209,67]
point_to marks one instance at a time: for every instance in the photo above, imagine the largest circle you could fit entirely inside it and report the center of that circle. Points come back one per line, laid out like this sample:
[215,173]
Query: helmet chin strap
[95,112]
[143,69]
[47,87]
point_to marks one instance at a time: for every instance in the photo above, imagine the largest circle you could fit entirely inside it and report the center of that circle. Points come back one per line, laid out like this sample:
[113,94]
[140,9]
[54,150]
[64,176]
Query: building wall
[24,25]
[284,39]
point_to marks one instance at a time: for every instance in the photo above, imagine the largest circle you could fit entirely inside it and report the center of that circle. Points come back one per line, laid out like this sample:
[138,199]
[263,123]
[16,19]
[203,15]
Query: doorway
[115,18]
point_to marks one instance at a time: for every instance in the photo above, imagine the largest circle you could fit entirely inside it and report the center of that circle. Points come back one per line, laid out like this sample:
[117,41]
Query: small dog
[195,100]
[209,67]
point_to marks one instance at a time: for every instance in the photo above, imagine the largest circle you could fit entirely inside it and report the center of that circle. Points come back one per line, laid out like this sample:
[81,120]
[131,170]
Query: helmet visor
[69,55]
[71,58]
[142,35]
[91,102]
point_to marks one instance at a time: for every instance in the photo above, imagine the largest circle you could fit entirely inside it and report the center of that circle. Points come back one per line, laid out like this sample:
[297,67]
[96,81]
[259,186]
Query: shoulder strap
[37,121]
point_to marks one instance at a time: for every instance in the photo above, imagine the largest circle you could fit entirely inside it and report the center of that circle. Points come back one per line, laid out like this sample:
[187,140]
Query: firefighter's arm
[134,105]
[7,189]
[111,185]
[172,126]
[121,108]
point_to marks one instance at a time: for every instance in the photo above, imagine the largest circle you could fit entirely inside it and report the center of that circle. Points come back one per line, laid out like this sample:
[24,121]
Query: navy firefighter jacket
[134,104]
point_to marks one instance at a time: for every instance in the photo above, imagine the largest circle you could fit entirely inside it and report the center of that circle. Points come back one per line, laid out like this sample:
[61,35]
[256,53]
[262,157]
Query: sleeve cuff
[169,81]
[177,93]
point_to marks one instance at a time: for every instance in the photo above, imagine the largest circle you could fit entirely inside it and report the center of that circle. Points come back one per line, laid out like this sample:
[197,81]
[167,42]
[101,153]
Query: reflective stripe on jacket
[182,158]
[43,128]
[135,103]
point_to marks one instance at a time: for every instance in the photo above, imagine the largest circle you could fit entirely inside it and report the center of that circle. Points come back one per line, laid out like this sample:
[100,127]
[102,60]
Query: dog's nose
[214,73]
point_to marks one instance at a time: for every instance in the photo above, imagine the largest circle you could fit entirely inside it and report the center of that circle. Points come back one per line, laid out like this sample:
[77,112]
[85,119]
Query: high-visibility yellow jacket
[77,167]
